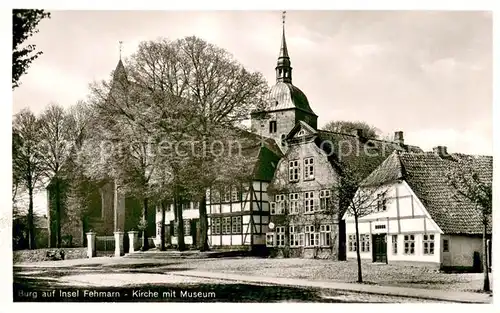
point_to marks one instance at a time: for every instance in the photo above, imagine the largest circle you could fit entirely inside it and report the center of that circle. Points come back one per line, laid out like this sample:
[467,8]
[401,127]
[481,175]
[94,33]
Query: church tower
[286,104]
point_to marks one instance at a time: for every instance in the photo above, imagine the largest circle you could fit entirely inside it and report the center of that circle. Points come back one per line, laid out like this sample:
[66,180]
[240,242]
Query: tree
[220,93]
[26,161]
[472,185]
[360,200]
[348,127]
[57,143]
[24,25]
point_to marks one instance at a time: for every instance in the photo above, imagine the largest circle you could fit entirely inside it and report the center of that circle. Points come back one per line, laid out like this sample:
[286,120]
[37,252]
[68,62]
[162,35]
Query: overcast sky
[428,74]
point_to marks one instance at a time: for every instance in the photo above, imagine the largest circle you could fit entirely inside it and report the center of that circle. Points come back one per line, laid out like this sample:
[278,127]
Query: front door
[379,248]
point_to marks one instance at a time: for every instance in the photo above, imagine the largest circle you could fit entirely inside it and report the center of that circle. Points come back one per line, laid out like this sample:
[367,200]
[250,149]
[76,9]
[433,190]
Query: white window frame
[270,239]
[235,195]
[309,168]
[324,197]
[272,209]
[296,237]
[311,237]
[364,242]
[325,235]
[428,244]
[280,204]
[381,203]
[352,243]
[294,171]
[409,244]
[280,236]
[294,200]
[309,202]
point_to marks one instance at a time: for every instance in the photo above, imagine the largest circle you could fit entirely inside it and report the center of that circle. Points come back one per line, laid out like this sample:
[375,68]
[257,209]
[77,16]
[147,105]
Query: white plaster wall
[405,214]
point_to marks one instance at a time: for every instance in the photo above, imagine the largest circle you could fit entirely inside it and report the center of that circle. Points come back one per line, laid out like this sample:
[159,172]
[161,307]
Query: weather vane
[120,42]
[283,16]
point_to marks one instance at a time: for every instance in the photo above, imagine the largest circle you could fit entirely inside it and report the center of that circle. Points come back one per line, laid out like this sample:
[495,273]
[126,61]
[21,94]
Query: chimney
[441,151]
[398,137]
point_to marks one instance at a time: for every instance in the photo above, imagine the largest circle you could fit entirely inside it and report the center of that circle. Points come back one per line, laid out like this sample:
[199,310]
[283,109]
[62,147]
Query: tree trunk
[58,213]
[145,244]
[203,245]
[358,255]
[486,283]
[162,227]
[181,246]
[31,226]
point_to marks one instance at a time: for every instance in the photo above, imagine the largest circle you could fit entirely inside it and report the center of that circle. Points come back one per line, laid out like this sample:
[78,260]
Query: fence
[105,243]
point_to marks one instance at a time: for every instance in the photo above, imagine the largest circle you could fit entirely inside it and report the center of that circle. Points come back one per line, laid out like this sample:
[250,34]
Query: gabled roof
[301,125]
[426,174]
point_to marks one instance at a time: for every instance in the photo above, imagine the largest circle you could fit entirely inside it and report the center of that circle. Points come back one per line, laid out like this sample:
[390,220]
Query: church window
[272,127]
[283,143]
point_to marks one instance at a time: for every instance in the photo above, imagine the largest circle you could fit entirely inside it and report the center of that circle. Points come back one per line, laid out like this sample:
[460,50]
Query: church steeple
[283,68]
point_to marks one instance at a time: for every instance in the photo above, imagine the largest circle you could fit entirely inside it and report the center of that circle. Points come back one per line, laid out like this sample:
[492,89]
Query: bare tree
[219,93]
[26,161]
[57,143]
[357,199]
[473,182]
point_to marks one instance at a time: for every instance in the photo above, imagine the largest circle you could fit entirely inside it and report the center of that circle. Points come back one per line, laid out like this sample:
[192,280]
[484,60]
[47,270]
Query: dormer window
[272,127]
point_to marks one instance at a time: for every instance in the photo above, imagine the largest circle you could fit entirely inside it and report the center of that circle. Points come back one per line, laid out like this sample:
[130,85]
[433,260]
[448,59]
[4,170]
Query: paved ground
[243,279]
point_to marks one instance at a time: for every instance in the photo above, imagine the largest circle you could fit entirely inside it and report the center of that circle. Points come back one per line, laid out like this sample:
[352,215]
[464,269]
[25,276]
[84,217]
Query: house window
[309,168]
[235,194]
[236,224]
[428,244]
[394,244]
[186,206]
[324,198]
[215,226]
[273,208]
[280,236]
[294,203]
[381,205]
[308,202]
[226,194]
[270,239]
[296,238]
[365,243]
[226,225]
[381,226]
[352,243]
[325,235]
[187,227]
[215,196]
[312,238]
[283,142]
[293,171]
[280,205]
[446,245]
[272,127]
[409,244]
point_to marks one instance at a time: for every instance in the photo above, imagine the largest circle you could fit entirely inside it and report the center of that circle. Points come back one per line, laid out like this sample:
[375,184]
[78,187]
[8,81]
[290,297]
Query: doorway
[379,248]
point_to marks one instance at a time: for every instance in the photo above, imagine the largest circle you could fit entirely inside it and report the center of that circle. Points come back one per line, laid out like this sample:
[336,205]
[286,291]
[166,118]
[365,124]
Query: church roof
[284,95]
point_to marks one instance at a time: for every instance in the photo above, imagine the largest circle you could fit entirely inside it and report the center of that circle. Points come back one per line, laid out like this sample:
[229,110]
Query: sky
[426,73]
